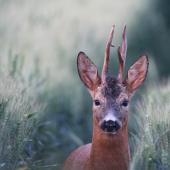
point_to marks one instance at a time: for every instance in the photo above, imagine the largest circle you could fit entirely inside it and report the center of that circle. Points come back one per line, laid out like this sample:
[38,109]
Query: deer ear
[88,72]
[136,74]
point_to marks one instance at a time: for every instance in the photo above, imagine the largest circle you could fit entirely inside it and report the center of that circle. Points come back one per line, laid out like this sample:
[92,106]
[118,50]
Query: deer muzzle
[110,126]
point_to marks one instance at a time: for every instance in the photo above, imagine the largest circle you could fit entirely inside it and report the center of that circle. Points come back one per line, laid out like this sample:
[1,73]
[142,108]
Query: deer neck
[109,151]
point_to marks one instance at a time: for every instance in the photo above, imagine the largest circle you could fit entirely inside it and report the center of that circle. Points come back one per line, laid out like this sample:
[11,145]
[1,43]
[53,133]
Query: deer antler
[122,56]
[106,59]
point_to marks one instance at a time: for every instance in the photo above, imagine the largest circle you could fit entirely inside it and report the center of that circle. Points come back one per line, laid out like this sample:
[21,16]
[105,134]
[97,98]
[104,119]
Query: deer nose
[110,126]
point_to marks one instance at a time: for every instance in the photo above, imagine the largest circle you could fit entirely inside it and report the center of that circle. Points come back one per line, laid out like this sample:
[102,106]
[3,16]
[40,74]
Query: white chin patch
[110,133]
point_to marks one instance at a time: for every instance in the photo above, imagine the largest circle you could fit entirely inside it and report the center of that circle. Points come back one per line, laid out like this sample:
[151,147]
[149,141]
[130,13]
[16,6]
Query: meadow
[44,107]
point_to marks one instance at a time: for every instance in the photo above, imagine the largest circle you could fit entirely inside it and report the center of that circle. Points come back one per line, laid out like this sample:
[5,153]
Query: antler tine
[122,56]
[106,59]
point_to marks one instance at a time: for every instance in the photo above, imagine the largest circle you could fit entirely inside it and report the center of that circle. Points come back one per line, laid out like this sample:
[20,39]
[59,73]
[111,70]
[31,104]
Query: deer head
[111,95]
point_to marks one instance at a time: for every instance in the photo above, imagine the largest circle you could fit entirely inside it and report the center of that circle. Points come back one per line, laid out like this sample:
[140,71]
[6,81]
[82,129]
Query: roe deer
[109,149]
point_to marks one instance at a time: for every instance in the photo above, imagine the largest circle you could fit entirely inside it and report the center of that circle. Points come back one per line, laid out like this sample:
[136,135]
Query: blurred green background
[50,34]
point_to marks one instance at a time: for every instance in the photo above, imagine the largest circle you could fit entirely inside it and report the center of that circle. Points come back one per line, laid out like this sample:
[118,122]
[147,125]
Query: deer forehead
[112,90]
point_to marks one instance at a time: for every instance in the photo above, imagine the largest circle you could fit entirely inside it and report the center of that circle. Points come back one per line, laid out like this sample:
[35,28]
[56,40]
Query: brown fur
[79,159]
[107,152]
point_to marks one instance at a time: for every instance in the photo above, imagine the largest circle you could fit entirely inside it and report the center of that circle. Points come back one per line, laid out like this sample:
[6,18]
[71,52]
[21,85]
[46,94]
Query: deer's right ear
[88,72]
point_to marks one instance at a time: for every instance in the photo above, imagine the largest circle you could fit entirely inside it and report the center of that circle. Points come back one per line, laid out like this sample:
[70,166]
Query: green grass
[20,111]
[152,142]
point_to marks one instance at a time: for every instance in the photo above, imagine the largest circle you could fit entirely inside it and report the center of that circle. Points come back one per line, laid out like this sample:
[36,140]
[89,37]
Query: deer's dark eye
[125,103]
[96,102]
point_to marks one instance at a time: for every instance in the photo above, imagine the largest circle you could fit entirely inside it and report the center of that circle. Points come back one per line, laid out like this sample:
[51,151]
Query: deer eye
[125,103]
[96,102]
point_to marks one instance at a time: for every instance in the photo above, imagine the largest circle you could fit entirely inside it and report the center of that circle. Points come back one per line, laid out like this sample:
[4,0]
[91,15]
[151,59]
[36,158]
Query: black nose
[110,126]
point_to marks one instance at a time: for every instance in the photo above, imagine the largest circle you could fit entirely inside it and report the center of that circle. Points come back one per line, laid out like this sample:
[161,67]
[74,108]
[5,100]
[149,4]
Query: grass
[20,114]
[152,142]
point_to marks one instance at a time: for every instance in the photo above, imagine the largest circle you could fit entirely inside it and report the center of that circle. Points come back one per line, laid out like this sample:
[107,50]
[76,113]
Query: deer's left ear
[137,74]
